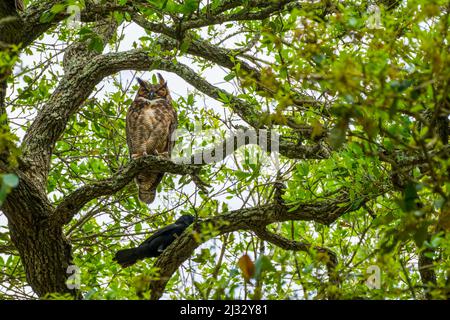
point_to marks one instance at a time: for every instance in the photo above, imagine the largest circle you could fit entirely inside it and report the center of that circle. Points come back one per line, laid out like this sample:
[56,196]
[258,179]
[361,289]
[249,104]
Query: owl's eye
[142,92]
[162,93]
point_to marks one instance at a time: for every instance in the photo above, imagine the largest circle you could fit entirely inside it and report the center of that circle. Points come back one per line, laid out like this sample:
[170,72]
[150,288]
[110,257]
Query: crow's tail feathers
[127,257]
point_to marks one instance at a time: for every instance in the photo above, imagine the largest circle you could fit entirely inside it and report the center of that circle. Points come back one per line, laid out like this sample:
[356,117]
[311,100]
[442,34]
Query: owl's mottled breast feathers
[150,123]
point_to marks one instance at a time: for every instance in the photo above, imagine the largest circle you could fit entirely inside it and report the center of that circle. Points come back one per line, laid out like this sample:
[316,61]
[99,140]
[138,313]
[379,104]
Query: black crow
[155,245]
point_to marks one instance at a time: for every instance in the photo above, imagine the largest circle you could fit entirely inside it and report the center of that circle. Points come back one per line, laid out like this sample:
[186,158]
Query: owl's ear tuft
[141,82]
[161,80]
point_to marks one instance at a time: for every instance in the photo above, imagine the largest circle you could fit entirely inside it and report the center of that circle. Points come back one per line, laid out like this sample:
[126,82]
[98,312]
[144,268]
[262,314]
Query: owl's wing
[134,131]
[171,228]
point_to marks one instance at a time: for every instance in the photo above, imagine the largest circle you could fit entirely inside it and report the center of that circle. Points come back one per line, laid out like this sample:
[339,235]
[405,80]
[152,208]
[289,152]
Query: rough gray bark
[44,251]
[254,219]
[10,21]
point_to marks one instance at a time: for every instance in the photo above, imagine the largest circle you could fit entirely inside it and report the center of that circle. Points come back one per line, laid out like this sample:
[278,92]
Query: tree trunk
[44,251]
[45,255]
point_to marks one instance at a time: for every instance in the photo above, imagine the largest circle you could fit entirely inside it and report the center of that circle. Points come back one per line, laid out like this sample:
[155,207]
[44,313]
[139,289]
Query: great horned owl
[150,122]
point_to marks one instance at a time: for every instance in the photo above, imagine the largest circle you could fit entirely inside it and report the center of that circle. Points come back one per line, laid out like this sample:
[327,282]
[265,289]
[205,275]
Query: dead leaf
[247,267]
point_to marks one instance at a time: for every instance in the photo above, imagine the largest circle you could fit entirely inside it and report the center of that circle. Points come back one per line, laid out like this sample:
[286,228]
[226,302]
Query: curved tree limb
[329,257]
[76,87]
[33,26]
[75,201]
[324,255]
[265,10]
[256,218]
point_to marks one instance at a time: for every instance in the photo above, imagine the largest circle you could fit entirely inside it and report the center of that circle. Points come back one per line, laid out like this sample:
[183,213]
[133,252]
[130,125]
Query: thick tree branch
[70,94]
[325,255]
[182,166]
[76,87]
[33,26]
[27,190]
[330,257]
[71,204]
[256,10]
[256,218]
[228,58]
[268,140]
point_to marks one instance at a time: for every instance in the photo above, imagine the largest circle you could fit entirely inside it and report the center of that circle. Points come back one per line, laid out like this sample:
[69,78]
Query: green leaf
[400,86]
[263,264]
[190,100]
[229,76]
[57,8]
[189,6]
[185,46]
[138,227]
[119,17]
[85,31]
[47,17]
[96,44]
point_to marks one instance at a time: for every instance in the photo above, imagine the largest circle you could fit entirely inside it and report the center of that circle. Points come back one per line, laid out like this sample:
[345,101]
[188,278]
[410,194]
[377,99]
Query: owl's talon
[144,154]
[164,154]
[134,156]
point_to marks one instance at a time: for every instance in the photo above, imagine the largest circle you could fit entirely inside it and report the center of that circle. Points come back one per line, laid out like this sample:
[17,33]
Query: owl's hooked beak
[151,95]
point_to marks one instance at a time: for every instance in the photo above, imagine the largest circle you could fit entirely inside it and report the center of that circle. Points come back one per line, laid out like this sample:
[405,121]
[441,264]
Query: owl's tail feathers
[147,196]
[147,184]
[128,257]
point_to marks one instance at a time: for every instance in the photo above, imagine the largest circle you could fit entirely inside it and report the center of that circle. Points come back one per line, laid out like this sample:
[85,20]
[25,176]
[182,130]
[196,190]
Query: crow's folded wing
[170,229]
